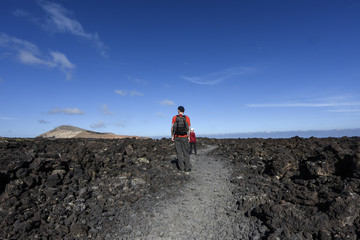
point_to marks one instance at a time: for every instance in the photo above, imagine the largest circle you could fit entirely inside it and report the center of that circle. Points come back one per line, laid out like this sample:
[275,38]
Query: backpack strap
[176,121]
[177,116]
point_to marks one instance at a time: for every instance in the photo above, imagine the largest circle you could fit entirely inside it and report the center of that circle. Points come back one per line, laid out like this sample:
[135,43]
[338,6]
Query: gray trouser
[191,147]
[182,152]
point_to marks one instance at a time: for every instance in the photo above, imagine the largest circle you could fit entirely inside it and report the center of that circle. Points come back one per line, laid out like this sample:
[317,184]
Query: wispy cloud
[167,102]
[218,77]
[120,124]
[138,81]
[20,13]
[131,93]
[43,121]
[97,125]
[345,110]
[28,53]
[102,124]
[304,104]
[68,111]
[136,93]
[29,58]
[344,103]
[120,92]
[59,19]
[106,111]
[62,62]
[17,44]
[162,115]
[7,118]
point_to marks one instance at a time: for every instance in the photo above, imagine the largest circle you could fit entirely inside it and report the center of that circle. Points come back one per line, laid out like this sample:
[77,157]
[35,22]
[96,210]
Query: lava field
[292,188]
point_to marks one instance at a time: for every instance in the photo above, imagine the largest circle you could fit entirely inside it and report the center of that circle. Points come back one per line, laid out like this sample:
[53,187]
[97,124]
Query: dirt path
[203,209]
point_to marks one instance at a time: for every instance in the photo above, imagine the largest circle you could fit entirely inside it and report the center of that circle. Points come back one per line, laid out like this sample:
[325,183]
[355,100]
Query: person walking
[180,134]
[192,141]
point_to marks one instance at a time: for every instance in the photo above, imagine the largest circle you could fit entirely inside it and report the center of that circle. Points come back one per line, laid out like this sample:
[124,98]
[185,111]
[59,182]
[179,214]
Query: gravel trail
[204,208]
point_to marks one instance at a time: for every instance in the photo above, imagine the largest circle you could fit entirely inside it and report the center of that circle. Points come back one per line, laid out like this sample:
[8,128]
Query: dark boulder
[76,188]
[298,188]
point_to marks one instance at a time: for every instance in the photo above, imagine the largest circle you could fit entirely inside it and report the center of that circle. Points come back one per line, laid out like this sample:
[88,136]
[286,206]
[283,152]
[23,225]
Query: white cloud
[106,111]
[17,44]
[138,81]
[136,93]
[43,121]
[345,103]
[28,53]
[62,60]
[160,115]
[120,92]
[68,111]
[120,124]
[61,20]
[7,118]
[63,63]
[218,77]
[100,124]
[132,93]
[167,102]
[29,58]
[20,13]
[344,110]
[304,104]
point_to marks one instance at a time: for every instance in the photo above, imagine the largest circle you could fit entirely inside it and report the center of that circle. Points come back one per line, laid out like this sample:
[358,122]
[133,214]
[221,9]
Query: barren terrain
[130,189]
[66,131]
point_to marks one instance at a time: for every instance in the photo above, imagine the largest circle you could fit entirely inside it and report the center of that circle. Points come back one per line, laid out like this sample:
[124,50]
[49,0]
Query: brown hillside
[66,131]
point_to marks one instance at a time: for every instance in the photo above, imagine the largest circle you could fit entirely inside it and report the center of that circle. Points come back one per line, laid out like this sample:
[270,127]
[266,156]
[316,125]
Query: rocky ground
[79,188]
[203,208]
[130,189]
[297,188]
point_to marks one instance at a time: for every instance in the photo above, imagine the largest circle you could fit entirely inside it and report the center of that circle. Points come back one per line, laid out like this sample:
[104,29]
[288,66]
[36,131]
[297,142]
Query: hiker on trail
[192,141]
[180,133]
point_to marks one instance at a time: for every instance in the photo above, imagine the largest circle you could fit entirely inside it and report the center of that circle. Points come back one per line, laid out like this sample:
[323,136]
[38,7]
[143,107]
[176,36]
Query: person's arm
[189,128]
[172,132]
[172,128]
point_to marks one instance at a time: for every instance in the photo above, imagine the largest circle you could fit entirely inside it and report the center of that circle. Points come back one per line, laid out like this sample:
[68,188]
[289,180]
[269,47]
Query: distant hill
[354,132]
[66,131]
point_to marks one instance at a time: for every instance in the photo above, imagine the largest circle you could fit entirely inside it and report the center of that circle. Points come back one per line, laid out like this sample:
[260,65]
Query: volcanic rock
[301,188]
[79,188]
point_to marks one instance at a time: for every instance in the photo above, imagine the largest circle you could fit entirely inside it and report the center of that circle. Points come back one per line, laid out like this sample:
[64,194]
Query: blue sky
[125,66]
